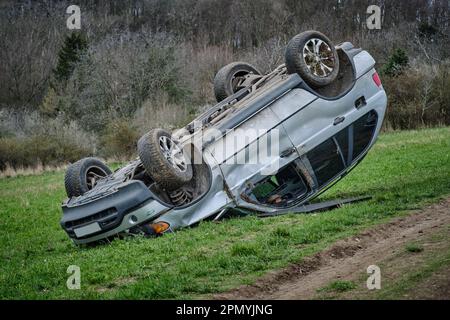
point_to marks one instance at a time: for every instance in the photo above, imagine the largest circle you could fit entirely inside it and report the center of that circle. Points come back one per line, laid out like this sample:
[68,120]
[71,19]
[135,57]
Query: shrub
[50,104]
[396,63]
[120,139]
[159,112]
[418,97]
[35,150]
[28,140]
[427,30]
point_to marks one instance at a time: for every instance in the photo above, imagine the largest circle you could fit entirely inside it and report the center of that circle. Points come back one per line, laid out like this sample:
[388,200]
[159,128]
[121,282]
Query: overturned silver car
[271,144]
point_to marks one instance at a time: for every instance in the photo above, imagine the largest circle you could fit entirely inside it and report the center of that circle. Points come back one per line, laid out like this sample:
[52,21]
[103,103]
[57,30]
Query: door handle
[287,152]
[360,102]
[338,120]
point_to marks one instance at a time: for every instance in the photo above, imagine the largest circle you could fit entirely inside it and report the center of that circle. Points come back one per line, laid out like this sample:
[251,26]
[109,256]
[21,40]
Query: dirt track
[346,258]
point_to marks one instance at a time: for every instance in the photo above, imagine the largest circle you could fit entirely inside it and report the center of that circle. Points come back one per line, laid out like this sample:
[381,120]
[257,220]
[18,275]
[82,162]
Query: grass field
[404,171]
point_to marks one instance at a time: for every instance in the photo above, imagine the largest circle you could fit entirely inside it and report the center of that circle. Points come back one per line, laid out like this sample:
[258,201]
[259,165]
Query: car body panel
[302,123]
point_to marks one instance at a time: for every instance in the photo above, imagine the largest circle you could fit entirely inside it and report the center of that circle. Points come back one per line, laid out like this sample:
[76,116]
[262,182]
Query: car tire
[227,78]
[168,170]
[313,57]
[82,176]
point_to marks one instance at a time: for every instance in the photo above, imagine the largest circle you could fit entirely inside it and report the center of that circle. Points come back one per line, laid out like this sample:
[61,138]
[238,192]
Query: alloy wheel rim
[318,57]
[173,153]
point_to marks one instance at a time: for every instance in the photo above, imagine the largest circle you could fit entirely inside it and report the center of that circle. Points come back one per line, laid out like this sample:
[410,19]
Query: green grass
[404,171]
[413,247]
[338,286]
[430,264]
[407,283]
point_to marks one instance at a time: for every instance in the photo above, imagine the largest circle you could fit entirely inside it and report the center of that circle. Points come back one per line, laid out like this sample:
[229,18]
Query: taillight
[376,79]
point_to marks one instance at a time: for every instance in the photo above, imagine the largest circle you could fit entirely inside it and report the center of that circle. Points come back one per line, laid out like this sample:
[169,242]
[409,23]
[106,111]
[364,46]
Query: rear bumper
[130,205]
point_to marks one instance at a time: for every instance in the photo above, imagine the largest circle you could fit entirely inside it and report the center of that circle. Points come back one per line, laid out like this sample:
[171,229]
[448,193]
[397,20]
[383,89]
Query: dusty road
[348,259]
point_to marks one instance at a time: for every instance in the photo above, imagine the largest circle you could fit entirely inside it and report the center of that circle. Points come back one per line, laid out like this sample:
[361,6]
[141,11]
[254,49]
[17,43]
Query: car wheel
[229,78]
[164,160]
[83,175]
[313,57]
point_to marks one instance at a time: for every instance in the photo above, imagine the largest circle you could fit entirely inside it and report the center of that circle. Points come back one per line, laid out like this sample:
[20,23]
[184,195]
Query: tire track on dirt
[345,257]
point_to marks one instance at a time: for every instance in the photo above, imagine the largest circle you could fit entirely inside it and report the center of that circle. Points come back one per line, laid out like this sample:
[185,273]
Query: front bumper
[131,204]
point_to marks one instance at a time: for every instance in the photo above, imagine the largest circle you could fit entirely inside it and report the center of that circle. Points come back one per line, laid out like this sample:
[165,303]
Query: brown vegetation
[150,63]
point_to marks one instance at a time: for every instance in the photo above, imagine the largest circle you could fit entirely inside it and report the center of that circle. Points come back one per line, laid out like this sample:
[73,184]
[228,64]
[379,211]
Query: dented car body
[301,141]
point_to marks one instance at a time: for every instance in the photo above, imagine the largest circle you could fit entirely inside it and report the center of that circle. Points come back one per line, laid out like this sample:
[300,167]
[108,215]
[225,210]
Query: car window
[281,189]
[363,130]
[326,161]
[342,138]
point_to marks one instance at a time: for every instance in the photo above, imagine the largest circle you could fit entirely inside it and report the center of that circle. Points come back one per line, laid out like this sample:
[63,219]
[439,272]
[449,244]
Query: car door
[263,139]
[312,120]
